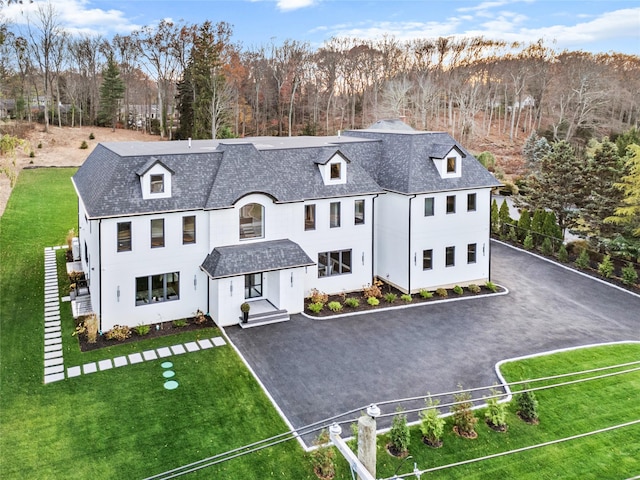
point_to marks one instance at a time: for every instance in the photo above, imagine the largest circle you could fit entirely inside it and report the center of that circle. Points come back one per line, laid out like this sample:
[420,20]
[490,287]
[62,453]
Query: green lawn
[122,423]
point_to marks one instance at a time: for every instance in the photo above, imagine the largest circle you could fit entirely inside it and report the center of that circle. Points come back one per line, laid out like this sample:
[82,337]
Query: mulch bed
[436,444]
[394,452]
[365,307]
[162,329]
[470,435]
[497,428]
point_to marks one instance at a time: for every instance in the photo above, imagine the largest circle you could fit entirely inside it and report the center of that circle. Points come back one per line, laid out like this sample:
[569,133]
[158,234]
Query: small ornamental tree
[464,420]
[432,424]
[495,219]
[583,259]
[528,242]
[524,224]
[323,457]
[546,247]
[563,255]
[605,267]
[503,214]
[496,414]
[399,434]
[629,274]
[527,406]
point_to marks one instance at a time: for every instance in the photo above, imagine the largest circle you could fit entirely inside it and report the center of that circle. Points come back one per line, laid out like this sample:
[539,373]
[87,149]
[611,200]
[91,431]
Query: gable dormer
[155,179]
[333,168]
[448,160]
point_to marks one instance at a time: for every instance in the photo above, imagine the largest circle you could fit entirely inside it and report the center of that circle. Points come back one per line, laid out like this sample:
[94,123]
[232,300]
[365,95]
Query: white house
[168,228]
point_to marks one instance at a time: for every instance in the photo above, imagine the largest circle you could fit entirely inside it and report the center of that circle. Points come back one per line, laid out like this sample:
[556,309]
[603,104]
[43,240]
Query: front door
[253,285]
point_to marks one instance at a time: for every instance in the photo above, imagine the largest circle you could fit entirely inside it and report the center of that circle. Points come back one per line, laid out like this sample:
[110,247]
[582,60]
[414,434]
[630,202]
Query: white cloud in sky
[75,16]
[288,5]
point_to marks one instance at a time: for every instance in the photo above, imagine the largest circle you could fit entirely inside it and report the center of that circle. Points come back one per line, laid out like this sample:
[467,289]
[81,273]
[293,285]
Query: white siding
[392,238]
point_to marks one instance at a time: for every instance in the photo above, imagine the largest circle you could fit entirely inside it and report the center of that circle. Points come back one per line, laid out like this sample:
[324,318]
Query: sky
[593,26]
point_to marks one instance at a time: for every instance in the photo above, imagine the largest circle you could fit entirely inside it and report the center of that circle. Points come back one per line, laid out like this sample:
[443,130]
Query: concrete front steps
[265,318]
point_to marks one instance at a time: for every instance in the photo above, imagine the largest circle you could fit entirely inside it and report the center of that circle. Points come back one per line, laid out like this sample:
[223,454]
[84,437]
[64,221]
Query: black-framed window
[451,165]
[450,256]
[124,236]
[189,230]
[252,221]
[359,212]
[157,232]
[334,214]
[310,217]
[163,287]
[336,171]
[429,206]
[471,253]
[334,263]
[157,183]
[427,259]
[451,204]
[471,202]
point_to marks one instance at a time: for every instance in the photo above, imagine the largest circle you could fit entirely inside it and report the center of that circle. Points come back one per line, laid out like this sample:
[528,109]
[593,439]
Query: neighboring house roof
[213,174]
[254,257]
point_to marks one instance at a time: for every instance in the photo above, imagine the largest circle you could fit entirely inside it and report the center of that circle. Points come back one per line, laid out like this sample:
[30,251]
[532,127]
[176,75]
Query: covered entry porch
[268,275]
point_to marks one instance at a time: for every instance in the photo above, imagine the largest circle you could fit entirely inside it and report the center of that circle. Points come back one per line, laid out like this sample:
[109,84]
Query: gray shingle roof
[254,257]
[213,174]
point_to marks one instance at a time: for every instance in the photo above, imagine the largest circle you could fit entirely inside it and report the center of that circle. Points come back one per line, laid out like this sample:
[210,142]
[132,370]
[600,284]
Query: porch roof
[254,257]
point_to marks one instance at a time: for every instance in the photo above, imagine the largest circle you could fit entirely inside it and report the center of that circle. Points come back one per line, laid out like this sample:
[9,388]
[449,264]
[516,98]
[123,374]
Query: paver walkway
[54,369]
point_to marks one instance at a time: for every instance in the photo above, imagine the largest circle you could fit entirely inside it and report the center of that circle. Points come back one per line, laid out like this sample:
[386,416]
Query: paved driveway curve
[318,368]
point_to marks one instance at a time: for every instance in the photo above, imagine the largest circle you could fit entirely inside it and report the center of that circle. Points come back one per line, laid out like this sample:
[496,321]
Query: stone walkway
[54,369]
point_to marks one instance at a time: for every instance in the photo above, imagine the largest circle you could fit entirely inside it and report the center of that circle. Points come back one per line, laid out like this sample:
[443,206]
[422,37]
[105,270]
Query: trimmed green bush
[458,290]
[406,298]
[334,306]
[142,330]
[546,248]
[352,302]
[373,301]
[442,292]
[583,259]
[83,145]
[315,307]
[496,413]
[390,297]
[489,285]
[473,288]
[92,136]
[426,294]
[563,255]
[399,434]
[527,406]
[464,420]
[528,242]
[432,424]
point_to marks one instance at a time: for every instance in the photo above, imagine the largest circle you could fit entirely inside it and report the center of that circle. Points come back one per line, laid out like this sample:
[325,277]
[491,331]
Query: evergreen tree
[495,218]
[558,184]
[631,136]
[627,214]
[604,169]
[503,215]
[534,149]
[111,92]
[524,224]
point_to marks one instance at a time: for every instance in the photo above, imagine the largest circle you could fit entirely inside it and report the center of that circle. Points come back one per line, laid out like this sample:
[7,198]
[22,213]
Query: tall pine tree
[627,215]
[111,92]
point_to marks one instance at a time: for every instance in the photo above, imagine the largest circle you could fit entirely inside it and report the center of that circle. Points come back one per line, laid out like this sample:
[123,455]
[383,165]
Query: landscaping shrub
[92,136]
[546,247]
[583,259]
[426,293]
[118,332]
[489,285]
[390,297]
[527,406]
[528,242]
[142,330]
[373,290]
[32,154]
[473,288]
[199,317]
[373,301]
[318,297]
[352,302]
[496,413]
[605,267]
[629,274]
[315,307]
[334,306]
[179,323]
[512,235]
[399,434]
[563,255]
[323,457]
[458,290]
[442,292]
[432,424]
[464,420]
[83,145]
[406,298]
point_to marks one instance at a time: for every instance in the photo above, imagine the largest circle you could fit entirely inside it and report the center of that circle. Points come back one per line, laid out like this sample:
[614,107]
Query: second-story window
[334,214]
[359,212]
[309,217]
[451,204]
[252,221]
[428,207]
[471,202]
[188,230]
[157,232]
[124,236]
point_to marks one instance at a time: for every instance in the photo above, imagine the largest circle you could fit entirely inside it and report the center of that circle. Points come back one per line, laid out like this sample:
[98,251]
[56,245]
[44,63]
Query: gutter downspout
[373,236]
[100,269]
[409,248]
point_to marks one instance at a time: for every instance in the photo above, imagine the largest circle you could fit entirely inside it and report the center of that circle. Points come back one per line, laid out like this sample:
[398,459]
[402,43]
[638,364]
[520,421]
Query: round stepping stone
[171,385]
[168,373]
[166,364]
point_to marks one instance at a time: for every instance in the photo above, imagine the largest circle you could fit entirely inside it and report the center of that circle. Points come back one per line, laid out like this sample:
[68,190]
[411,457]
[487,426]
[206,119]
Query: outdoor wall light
[118,293]
[415,259]
[231,288]
[195,282]
[483,249]
[362,258]
[291,279]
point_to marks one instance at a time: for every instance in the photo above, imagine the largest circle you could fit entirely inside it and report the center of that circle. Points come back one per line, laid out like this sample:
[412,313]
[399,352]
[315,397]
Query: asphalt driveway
[315,369]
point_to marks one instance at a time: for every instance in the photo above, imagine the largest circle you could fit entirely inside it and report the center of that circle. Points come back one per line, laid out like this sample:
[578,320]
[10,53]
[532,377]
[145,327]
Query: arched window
[252,221]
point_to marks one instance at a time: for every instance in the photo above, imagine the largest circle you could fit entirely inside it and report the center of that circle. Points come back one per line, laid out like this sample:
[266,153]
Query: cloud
[76,17]
[399,30]
[289,5]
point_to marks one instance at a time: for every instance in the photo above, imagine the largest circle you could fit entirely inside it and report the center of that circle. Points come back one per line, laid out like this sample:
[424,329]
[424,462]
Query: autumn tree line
[195,81]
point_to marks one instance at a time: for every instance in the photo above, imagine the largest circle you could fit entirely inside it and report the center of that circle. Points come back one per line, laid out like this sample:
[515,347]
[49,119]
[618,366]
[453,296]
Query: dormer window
[157,183]
[451,164]
[448,160]
[335,171]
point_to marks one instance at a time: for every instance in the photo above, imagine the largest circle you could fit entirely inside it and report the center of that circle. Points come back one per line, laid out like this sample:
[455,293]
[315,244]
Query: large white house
[168,228]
